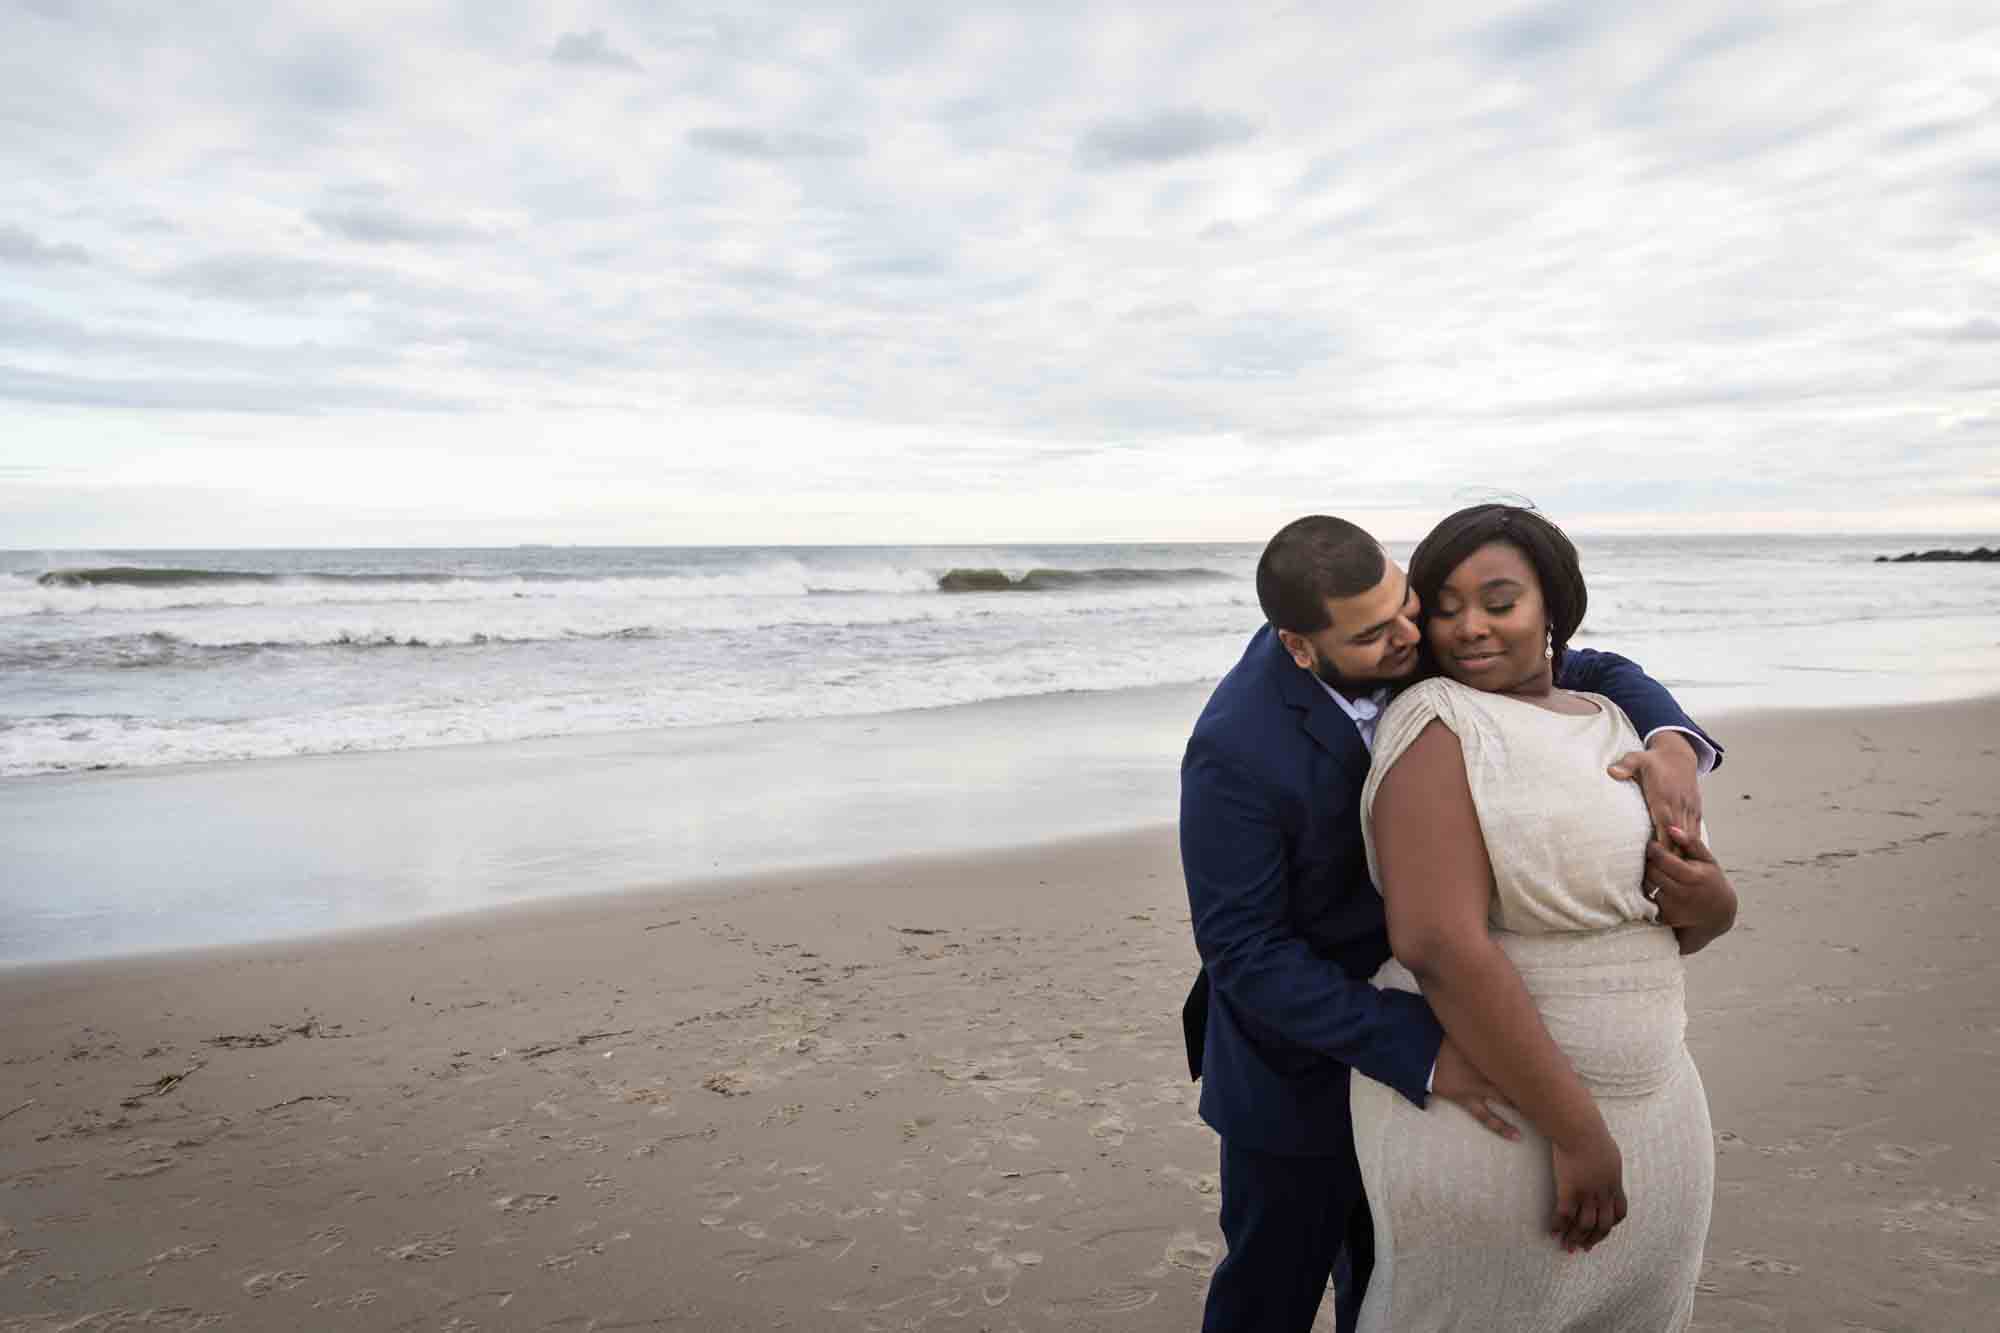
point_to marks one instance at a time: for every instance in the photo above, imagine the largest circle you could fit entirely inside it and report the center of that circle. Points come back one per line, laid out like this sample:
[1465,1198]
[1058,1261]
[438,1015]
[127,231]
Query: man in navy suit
[1290,928]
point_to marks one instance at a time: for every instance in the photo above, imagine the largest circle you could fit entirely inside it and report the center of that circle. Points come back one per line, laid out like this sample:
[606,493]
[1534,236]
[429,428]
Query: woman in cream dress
[1524,902]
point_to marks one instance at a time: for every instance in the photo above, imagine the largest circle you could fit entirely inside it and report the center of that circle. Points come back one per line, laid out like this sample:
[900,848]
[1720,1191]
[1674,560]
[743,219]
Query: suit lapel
[1331,729]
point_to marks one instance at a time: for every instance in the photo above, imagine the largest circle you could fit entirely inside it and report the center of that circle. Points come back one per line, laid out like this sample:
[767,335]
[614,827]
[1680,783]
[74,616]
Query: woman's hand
[1590,1190]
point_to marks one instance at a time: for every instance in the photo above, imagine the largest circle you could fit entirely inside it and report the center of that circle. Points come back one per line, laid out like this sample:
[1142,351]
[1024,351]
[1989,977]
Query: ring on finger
[1652,892]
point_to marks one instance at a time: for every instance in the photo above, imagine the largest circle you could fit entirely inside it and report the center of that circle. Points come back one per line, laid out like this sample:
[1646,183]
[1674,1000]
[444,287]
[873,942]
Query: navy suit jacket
[1288,924]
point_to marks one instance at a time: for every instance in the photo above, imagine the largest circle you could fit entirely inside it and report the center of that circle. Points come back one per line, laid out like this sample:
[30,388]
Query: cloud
[1164,136]
[22,247]
[1541,31]
[262,398]
[1926,133]
[1133,251]
[1979,329]
[326,73]
[373,225]
[591,48]
[273,279]
[759,145]
[102,344]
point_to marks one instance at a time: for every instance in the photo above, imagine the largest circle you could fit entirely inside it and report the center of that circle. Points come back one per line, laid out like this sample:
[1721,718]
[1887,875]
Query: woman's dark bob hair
[1542,542]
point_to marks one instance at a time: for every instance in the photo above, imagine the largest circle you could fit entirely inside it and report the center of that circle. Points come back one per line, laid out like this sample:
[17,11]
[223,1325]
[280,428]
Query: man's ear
[1296,645]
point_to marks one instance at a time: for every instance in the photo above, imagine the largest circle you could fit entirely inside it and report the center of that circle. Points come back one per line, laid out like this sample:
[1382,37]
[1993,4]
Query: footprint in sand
[1986,1264]
[957,1305]
[263,1284]
[1110,1129]
[1112,1300]
[1764,1263]
[726,1083]
[1898,1154]
[423,1250]
[1189,1251]
[1201,1182]
[523,1203]
[13,1259]
[178,1254]
[140,1170]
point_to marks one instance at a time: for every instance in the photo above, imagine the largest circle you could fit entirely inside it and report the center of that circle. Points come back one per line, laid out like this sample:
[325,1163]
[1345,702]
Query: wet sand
[947,1092]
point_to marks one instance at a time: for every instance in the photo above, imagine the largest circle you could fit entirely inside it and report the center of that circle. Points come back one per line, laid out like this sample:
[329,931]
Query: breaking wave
[1051,580]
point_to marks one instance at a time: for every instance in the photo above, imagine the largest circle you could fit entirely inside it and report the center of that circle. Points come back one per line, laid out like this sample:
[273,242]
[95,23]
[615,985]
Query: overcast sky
[492,272]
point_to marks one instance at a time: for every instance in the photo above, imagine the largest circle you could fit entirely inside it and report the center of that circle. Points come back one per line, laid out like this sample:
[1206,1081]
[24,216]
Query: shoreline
[264,849]
[529,914]
[1154,769]
[935,1087]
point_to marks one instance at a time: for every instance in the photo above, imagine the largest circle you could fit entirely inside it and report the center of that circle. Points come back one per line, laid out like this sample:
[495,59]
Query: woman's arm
[1436,883]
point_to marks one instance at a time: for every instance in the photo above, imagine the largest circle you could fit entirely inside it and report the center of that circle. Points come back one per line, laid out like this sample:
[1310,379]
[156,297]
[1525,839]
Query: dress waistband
[1643,955]
[1613,1000]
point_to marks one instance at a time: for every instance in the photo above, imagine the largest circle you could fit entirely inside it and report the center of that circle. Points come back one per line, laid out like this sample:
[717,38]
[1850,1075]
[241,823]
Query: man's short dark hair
[1544,545]
[1310,562]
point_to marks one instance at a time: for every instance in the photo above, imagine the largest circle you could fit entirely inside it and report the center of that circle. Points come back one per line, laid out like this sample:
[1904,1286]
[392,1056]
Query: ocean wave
[74,742]
[180,638]
[132,588]
[1052,580]
[143,576]
[114,651]
[83,589]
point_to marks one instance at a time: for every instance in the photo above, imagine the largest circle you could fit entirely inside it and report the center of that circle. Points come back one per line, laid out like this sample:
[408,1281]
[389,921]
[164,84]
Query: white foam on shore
[103,864]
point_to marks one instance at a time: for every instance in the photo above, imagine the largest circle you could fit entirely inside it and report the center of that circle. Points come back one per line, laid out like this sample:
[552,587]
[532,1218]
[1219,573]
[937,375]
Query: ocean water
[219,747]
[135,659]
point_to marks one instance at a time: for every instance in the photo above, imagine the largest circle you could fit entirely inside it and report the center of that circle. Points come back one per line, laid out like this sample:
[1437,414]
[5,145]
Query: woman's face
[1488,626]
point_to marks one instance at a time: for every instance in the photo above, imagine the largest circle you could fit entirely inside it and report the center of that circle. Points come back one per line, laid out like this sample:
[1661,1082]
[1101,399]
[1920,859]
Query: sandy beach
[947,1092]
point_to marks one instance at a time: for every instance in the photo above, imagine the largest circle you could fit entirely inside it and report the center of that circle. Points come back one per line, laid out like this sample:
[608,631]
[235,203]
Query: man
[1290,928]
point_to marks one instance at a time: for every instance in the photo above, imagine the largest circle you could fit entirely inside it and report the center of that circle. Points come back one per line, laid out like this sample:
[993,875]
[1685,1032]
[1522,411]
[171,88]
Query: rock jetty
[1940,555]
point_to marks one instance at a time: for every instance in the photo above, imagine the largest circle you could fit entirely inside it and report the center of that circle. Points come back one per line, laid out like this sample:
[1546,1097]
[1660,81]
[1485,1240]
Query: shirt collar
[1365,709]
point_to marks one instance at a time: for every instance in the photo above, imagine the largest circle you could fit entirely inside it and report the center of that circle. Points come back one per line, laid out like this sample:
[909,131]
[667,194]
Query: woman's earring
[1550,650]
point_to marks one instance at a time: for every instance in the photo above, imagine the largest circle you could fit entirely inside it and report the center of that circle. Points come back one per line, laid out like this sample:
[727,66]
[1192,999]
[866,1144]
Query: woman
[1515,874]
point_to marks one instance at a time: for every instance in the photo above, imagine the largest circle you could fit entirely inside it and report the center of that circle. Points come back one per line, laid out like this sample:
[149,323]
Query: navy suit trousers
[1292,1223]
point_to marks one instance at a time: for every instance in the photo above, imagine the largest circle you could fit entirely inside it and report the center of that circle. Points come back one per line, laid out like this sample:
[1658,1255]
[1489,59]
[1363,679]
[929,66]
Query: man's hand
[1456,1080]
[1667,774]
[1694,896]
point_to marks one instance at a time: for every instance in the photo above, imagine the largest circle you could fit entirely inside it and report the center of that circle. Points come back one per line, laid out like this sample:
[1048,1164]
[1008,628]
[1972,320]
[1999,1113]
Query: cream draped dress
[1462,1216]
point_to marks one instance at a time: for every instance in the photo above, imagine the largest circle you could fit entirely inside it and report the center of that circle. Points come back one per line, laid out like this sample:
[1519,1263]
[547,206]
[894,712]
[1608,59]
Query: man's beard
[1351,685]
